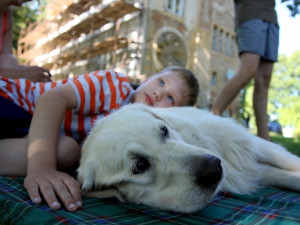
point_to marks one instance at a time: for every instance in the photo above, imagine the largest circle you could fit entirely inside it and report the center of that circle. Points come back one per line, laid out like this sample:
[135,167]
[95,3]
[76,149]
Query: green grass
[292,144]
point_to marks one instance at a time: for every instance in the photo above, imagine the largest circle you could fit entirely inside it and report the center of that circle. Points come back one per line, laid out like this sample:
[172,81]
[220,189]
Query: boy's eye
[171,99]
[161,83]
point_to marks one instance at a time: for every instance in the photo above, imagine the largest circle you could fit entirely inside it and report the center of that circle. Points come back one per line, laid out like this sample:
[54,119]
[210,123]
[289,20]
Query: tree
[293,6]
[22,18]
[284,93]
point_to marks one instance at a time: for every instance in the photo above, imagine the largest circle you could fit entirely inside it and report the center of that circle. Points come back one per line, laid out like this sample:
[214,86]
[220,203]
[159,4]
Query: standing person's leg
[7,60]
[249,63]
[260,98]
[263,78]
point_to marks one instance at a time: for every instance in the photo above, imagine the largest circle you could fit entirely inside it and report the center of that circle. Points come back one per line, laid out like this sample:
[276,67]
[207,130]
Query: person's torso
[255,9]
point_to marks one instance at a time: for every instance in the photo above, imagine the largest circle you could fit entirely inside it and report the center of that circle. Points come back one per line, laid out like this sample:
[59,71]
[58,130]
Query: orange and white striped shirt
[98,93]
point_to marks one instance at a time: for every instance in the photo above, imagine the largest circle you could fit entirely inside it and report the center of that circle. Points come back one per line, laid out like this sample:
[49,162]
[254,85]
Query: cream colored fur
[173,144]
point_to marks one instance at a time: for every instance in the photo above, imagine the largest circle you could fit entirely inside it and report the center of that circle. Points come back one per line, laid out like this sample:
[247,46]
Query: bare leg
[13,155]
[8,61]
[248,69]
[260,98]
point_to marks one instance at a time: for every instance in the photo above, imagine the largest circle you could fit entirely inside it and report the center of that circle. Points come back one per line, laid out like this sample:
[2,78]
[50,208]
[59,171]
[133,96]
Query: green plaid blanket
[266,206]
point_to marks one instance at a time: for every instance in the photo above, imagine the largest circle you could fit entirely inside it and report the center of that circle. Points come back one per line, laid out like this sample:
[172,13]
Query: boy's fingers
[75,190]
[33,191]
[55,186]
[65,196]
[52,190]
[46,74]
[49,195]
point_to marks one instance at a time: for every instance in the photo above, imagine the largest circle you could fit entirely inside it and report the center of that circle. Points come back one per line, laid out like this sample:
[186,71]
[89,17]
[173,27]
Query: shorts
[14,120]
[259,37]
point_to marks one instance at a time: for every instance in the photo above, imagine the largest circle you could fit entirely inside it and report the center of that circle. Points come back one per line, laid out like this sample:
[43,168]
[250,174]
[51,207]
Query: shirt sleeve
[101,91]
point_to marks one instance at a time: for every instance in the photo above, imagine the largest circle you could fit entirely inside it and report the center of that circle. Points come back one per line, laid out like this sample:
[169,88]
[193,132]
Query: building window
[169,48]
[227,44]
[176,7]
[221,41]
[214,38]
[232,47]
[213,79]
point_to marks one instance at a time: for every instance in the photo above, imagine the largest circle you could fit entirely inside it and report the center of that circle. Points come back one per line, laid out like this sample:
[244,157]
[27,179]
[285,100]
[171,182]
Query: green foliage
[22,17]
[284,93]
[293,6]
[292,144]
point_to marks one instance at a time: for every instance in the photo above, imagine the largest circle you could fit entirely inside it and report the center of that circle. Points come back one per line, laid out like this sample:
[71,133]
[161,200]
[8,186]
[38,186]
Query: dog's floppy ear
[87,177]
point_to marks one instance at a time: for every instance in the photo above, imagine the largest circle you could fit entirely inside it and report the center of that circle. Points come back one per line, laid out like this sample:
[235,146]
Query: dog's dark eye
[164,131]
[140,166]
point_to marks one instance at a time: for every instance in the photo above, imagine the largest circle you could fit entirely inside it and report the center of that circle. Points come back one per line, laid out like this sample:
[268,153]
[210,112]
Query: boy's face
[161,90]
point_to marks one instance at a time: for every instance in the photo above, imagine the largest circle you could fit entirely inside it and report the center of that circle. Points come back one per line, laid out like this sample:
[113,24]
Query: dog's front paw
[109,193]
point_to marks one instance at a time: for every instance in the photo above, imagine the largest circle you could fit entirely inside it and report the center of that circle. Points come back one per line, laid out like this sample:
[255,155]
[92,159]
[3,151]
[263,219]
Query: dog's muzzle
[207,170]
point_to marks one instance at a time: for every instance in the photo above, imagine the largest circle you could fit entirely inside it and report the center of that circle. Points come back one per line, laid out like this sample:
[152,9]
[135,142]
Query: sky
[289,36]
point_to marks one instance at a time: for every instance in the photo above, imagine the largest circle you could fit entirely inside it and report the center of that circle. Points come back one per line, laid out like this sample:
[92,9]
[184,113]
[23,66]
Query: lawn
[292,144]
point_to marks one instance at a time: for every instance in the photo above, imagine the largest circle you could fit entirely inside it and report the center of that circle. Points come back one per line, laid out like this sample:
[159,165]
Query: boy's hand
[36,74]
[54,185]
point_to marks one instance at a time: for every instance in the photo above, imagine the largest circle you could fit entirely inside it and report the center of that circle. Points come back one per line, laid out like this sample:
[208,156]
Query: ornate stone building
[137,38]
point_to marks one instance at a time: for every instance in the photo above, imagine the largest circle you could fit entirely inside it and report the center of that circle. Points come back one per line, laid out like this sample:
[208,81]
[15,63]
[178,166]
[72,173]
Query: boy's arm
[42,176]
[33,73]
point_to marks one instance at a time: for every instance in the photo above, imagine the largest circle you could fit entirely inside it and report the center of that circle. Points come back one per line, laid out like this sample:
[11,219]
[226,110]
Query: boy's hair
[191,82]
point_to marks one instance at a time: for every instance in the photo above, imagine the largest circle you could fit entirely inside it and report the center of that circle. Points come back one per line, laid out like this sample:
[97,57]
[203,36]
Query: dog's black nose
[209,171]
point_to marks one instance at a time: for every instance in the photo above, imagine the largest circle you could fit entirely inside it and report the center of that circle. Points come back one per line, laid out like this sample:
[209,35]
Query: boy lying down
[43,124]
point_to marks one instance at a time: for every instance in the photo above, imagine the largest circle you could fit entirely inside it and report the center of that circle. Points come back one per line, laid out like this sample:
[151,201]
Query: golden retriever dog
[178,158]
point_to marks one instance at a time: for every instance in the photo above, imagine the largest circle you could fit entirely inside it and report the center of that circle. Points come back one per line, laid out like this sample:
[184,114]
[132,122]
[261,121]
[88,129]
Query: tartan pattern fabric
[266,206]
